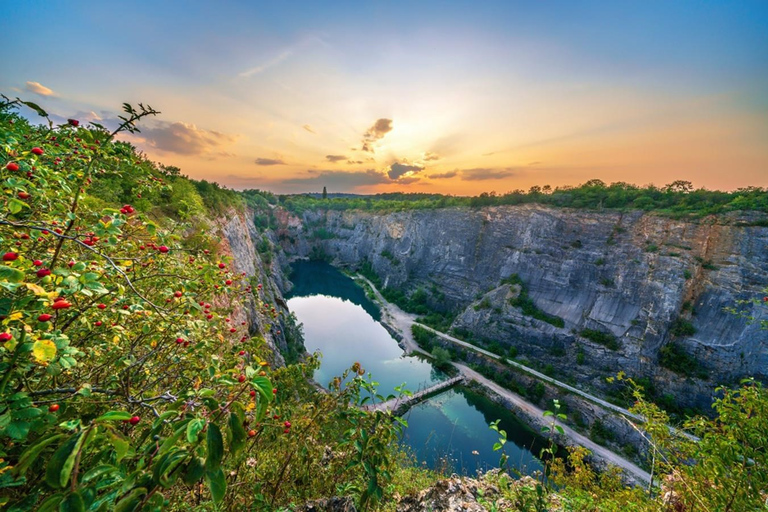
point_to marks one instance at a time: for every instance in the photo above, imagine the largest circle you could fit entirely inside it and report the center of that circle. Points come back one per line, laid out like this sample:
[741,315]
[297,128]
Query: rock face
[640,278]
[239,238]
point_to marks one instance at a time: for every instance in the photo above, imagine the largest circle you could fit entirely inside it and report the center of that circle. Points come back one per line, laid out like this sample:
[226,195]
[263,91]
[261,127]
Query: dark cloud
[185,139]
[309,128]
[335,158]
[444,175]
[355,162]
[379,129]
[339,180]
[269,161]
[397,169]
[430,156]
[481,174]
[408,180]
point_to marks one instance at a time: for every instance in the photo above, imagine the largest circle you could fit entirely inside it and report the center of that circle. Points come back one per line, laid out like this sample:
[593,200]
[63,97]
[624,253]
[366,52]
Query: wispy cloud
[339,179]
[265,66]
[309,128]
[335,158]
[38,88]
[187,139]
[269,161]
[443,175]
[482,174]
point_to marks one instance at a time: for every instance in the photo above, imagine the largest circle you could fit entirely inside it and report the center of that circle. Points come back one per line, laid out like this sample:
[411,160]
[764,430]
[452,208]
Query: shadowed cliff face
[630,275]
[239,239]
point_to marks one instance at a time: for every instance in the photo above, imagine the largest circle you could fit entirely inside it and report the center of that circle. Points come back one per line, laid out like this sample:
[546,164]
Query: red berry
[233,330]
[73,122]
[43,272]
[179,340]
[71,264]
[61,304]
[287,431]
[102,306]
[241,378]
[134,420]
[251,433]
[12,166]
[53,408]
[221,265]
[37,263]
[228,282]
[274,391]
[765,299]
[253,393]
[5,336]
[98,323]
[287,424]
[37,151]
[23,195]
[163,249]
[10,256]
[44,317]
[241,353]
[177,294]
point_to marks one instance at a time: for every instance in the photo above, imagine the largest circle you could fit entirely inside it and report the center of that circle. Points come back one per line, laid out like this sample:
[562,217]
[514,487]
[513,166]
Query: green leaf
[215,444]
[237,435]
[98,471]
[51,503]
[16,205]
[36,108]
[113,416]
[165,466]
[33,452]
[56,475]
[217,483]
[120,444]
[193,429]
[129,502]
[44,351]
[11,274]
[72,503]
[264,387]
[195,471]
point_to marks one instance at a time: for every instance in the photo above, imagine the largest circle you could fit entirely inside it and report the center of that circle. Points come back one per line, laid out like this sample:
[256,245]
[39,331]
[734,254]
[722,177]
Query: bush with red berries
[122,386]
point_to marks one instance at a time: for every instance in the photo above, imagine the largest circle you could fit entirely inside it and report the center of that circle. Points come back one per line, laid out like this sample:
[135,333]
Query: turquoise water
[448,431]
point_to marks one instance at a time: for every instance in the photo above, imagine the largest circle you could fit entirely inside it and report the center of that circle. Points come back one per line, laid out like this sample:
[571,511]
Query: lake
[447,431]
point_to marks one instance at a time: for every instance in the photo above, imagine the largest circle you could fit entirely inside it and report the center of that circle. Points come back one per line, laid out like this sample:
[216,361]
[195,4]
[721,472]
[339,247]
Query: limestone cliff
[239,238]
[645,279]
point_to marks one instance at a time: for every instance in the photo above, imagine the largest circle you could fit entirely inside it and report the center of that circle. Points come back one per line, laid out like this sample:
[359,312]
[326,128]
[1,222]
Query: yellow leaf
[116,340]
[44,351]
[251,406]
[36,289]
[15,316]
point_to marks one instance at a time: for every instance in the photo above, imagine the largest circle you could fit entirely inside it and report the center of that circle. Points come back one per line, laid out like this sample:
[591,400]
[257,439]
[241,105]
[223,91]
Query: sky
[429,96]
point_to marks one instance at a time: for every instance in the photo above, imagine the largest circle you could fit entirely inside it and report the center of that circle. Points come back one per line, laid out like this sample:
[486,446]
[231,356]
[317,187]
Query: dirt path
[402,322]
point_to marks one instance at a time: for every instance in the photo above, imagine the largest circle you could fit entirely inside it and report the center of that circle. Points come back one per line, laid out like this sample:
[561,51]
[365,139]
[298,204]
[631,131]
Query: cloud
[269,161]
[186,139]
[339,179]
[482,173]
[309,128]
[38,88]
[443,175]
[376,132]
[430,156]
[335,158]
[408,180]
[396,170]
[263,67]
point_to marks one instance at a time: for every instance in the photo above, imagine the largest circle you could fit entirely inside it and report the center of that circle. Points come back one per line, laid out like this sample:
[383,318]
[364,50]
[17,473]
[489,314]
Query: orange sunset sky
[449,97]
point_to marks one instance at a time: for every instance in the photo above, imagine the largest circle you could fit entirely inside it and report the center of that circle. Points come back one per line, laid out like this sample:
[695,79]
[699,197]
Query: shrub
[603,338]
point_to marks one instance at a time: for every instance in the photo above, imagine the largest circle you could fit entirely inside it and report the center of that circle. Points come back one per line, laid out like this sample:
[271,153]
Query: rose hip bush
[123,383]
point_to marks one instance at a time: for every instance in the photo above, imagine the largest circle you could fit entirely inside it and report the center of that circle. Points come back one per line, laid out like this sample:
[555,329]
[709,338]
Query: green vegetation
[603,338]
[673,357]
[676,198]
[442,357]
[682,327]
[110,277]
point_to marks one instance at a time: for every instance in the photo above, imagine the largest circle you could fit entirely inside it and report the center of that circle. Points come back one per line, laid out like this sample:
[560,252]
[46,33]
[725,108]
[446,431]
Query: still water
[448,431]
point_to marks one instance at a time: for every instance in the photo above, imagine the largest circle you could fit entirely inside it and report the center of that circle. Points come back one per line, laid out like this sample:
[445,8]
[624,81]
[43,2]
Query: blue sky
[495,96]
